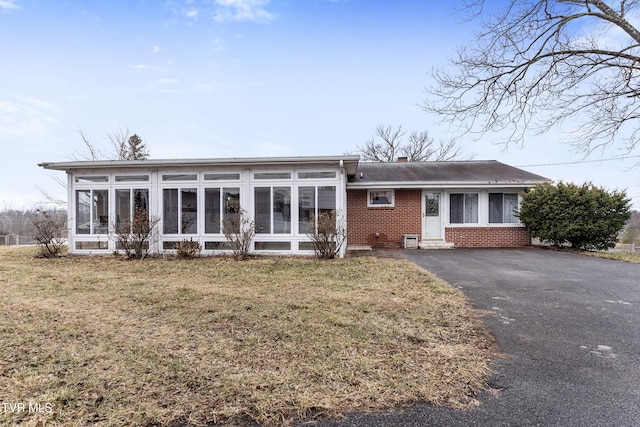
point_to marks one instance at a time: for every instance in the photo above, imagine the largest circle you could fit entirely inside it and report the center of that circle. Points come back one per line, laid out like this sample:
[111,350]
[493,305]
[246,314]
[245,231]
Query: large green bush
[585,217]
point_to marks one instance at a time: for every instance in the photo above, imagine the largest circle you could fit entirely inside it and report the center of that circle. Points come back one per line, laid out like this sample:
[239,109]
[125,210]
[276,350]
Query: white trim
[424,214]
[391,203]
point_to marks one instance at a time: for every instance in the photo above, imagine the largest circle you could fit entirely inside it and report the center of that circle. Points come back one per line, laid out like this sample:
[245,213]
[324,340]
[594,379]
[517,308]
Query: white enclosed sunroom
[192,197]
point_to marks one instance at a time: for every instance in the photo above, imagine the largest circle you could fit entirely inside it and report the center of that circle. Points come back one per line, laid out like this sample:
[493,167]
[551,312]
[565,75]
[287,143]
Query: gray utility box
[410,241]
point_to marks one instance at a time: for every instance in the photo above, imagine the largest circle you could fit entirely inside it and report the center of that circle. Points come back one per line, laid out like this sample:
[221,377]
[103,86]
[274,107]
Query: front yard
[100,340]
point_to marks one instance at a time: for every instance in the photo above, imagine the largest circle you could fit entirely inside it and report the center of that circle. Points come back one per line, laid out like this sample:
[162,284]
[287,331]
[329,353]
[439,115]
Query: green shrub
[585,217]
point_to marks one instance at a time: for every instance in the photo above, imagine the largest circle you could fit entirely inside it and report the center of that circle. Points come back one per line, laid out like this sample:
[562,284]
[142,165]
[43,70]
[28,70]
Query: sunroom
[191,199]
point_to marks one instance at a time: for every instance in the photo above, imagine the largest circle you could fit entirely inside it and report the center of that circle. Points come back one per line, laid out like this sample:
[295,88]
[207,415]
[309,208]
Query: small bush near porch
[100,340]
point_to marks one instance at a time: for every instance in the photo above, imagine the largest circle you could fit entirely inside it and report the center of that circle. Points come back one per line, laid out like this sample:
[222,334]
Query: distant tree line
[18,225]
[631,233]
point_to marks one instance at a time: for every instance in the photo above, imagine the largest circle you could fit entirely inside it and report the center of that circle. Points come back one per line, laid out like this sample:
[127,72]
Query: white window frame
[498,224]
[479,207]
[371,193]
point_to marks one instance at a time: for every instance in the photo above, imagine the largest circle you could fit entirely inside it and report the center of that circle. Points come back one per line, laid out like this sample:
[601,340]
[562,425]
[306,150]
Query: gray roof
[473,172]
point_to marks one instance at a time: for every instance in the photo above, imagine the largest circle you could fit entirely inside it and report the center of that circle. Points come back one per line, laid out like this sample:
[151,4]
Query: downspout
[343,186]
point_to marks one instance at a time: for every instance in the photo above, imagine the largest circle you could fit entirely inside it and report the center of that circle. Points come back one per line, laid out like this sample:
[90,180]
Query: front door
[432,216]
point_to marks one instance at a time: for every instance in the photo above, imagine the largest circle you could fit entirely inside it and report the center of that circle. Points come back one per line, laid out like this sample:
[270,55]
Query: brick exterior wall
[406,218]
[487,237]
[390,223]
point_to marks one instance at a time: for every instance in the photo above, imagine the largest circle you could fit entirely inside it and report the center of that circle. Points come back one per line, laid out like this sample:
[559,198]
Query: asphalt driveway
[570,326]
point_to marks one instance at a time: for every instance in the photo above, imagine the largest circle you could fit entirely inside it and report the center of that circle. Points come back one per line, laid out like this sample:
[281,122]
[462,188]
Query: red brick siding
[406,218]
[390,223]
[488,237]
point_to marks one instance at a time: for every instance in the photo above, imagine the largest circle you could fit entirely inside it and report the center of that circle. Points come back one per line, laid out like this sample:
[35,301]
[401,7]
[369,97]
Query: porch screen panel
[189,210]
[123,206]
[306,208]
[212,217]
[170,211]
[231,201]
[262,211]
[326,199]
[282,210]
[83,212]
[100,210]
[140,202]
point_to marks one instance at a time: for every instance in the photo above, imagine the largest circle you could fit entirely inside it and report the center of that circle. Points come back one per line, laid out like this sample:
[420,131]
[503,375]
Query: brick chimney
[403,159]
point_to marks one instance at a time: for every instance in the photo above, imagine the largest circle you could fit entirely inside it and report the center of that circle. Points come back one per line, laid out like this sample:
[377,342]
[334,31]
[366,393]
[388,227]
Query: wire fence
[16,240]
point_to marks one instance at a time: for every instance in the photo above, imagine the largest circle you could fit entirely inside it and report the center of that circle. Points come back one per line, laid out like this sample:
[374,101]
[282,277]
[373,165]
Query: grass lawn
[101,340]
[620,256]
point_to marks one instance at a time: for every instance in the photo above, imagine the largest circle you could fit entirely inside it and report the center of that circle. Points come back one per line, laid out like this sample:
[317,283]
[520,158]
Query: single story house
[428,204]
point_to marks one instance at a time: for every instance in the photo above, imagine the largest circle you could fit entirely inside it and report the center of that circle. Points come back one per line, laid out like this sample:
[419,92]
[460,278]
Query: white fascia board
[235,161]
[440,185]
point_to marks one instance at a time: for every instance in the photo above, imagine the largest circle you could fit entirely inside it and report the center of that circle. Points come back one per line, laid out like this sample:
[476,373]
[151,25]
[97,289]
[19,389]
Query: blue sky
[235,78]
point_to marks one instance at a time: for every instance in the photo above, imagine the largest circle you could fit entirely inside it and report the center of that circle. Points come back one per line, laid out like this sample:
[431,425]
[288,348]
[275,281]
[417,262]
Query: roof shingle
[459,172]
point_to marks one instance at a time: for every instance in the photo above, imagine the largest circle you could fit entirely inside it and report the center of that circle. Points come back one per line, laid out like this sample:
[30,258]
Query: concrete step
[435,244]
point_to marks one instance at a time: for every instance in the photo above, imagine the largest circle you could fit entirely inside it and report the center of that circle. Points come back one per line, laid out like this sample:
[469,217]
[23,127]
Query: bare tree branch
[539,64]
[92,153]
[419,147]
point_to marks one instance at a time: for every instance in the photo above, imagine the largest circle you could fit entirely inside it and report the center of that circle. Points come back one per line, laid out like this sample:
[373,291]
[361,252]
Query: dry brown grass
[620,256]
[275,341]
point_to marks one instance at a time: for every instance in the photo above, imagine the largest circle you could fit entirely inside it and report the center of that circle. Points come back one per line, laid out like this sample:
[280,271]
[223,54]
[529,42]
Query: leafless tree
[239,231]
[50,230]
[387,145]
[539,64]
[327,233]
[136,236]
[124,146]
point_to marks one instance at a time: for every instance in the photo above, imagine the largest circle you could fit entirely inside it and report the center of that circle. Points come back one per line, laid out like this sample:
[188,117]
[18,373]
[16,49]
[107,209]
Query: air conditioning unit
[410,241]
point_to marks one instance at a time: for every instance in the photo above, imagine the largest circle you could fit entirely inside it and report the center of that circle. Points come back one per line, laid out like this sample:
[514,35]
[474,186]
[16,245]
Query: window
[272,175]
[218,204]
[180,211]
[381,198]
[130,202]
[463,208]
[95,245]
[313,201]
[316,175]
[272,211]
[503,208]
[221,176]
[272,246]
[217,246]
[86,179]
[92,211]
[180,177]
[132,178]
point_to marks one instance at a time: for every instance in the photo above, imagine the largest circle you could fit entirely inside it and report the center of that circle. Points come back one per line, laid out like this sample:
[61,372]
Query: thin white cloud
[26,116]
[140,67]
[6,5]
[156,49]
[242,10]
[191,13]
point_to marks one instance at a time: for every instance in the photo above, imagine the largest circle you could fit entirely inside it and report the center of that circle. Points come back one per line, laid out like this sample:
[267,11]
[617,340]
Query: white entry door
[432,215]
